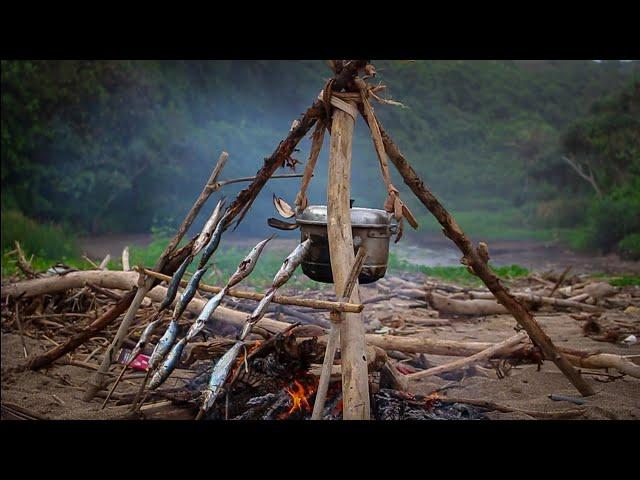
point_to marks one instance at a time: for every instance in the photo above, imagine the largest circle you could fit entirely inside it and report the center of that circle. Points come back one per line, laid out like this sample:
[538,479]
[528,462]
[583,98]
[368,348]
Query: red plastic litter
[141,362]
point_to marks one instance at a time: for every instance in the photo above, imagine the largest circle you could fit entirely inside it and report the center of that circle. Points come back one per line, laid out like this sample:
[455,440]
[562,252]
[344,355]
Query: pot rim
[301,221]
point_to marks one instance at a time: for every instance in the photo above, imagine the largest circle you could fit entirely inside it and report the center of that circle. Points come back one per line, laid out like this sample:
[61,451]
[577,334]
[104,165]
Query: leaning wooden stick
[334,335]
[476,260]
[147,283]
[478,357]
[301,200]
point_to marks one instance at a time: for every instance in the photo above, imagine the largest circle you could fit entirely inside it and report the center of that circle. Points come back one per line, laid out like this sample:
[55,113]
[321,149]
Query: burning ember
[299,394]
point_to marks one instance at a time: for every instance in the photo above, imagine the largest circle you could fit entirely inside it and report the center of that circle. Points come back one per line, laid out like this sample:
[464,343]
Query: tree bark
[355,379]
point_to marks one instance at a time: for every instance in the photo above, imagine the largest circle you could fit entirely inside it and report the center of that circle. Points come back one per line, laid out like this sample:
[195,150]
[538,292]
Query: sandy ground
[56,392]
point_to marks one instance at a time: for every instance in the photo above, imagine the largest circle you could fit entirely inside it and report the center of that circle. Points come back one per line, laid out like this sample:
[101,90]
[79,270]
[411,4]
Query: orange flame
[431,399]
[299,394]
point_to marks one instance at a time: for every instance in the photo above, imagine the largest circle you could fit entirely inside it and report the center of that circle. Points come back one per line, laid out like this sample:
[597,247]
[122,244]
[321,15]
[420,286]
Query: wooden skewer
[332,341]
[281,299]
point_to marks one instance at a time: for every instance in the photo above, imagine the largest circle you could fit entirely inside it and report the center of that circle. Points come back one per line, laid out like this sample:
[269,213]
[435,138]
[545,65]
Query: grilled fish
[205,314]
[164,344]
[168,365]
[214,242]
[248,264]
[219,376]
[188,293]
[292,262]
[209,227]
[172,289]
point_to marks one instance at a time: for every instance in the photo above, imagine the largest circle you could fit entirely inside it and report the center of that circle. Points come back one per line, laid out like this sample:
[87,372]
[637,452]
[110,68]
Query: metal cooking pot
[370,227]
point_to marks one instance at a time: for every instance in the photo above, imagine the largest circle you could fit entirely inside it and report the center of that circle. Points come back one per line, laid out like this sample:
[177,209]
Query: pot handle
[281,225]
[393,229]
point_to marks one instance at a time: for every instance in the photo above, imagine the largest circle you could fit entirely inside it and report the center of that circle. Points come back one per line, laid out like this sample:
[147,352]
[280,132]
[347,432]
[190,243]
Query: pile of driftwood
[604,309]
[61,308]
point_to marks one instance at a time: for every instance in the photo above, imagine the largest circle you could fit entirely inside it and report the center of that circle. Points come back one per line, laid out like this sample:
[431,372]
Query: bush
[45,241]
[629,246]
[615,217]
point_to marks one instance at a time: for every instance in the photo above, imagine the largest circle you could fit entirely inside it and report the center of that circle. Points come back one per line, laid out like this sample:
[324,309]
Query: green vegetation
[625,280]
[35,238]
[458,275]
[629,246]
[123,146]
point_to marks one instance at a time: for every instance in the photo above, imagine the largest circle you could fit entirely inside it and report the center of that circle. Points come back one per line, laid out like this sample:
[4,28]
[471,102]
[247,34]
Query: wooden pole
[355,379]
[334,336]
[476,260]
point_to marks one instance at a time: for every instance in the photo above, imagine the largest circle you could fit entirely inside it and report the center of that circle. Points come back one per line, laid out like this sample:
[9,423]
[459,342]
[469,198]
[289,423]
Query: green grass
[47,243]
[618,280]
[458,275]
[42,240]
[506,224]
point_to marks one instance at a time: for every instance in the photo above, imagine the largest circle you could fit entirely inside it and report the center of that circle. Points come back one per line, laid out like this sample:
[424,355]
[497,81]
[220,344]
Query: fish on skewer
[172,288]
[244,269]
[169,364]
[218,377]
[171,333]
[222,368]
[289,265]
[189,292]
[212,246]
[208,229]
[162,348]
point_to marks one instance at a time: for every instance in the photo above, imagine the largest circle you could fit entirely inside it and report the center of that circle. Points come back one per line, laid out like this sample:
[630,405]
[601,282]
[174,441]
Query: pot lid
[360,217]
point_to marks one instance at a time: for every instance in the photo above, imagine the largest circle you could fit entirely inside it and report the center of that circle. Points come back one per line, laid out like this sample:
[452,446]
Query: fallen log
[127,280]
[539,300]
[465,307]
